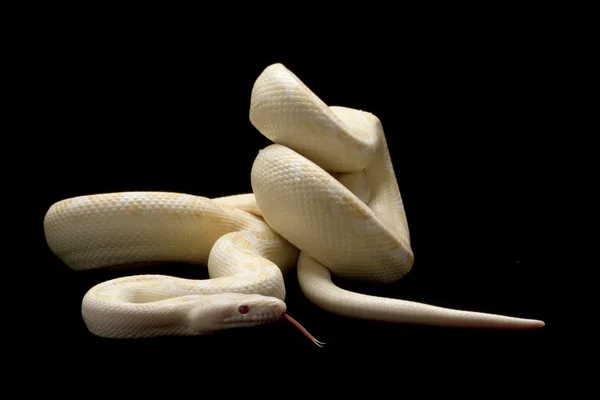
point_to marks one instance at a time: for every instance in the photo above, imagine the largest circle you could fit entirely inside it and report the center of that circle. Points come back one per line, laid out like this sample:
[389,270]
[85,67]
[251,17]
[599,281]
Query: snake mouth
[256,319]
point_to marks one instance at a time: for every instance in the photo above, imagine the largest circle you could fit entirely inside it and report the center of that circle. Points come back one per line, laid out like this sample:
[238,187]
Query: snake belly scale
[324,199]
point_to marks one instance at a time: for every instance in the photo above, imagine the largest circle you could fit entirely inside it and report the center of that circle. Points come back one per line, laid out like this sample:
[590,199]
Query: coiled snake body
[324,197]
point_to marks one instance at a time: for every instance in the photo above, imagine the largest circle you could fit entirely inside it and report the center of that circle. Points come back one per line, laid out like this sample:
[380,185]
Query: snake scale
[324,200]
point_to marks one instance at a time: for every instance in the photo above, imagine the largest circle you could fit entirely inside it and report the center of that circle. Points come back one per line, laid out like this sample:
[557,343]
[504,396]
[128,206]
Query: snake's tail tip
[514,323]
[530,324]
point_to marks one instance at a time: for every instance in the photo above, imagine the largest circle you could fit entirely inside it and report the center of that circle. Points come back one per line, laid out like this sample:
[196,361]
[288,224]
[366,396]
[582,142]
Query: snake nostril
[277,308]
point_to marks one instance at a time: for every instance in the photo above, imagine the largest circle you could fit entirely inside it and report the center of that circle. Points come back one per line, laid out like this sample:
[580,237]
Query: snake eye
[244,309]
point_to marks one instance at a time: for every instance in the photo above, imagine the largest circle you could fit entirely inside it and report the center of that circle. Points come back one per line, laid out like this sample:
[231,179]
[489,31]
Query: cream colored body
[325,197]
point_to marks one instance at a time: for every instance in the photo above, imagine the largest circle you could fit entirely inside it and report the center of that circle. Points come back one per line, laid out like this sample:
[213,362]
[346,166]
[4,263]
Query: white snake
[325,199]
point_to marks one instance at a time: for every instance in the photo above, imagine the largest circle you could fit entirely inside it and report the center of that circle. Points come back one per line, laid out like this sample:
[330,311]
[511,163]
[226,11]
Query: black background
[144,105]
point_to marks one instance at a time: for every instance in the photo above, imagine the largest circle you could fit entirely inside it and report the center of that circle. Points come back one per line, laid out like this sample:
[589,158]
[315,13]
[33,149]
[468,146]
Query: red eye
[244,309]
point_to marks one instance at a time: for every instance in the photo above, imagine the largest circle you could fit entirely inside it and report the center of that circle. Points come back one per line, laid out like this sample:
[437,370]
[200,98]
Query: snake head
[233,310]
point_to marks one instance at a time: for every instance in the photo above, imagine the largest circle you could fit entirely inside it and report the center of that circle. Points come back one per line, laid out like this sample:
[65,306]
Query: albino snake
[325,199]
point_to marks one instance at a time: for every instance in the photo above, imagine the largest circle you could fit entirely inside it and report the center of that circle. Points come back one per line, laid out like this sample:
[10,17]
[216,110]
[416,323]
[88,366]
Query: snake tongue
[302,329]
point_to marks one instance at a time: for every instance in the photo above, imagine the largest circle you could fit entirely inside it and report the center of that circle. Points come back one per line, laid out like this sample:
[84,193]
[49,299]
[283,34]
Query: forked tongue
[303,330]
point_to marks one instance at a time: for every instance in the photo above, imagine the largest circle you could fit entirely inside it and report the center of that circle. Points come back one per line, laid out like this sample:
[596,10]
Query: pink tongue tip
[303,330]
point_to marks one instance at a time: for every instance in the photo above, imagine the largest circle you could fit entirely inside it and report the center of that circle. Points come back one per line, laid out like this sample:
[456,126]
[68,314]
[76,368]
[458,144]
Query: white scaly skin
[330,201]
[354,227]
[246,262]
